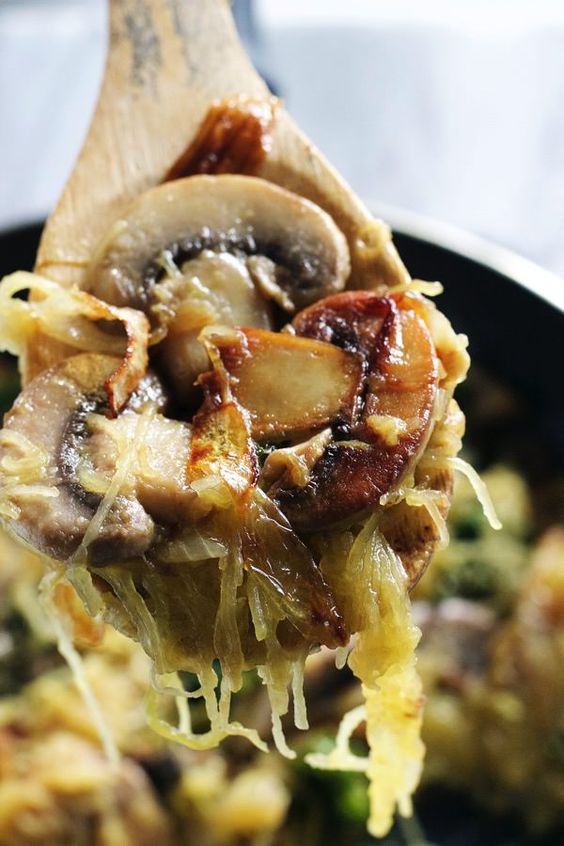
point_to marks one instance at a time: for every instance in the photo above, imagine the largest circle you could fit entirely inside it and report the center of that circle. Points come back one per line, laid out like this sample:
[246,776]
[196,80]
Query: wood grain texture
[168,61]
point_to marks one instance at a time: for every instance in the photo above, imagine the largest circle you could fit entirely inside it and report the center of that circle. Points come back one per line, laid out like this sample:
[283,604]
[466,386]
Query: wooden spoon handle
[167,60]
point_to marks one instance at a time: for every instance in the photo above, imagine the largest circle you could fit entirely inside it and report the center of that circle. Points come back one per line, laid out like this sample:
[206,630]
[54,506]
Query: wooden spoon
[168,61]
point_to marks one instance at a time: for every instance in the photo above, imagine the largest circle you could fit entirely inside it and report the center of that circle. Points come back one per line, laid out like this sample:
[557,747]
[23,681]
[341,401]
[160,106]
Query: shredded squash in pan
[245,455]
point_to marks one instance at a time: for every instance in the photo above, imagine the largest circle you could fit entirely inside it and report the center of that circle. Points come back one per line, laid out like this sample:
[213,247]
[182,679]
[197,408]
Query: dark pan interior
[514,335]
[518,338]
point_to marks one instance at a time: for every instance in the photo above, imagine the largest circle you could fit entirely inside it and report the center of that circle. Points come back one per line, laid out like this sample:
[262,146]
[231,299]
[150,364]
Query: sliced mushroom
[223,468]
[234,137]
[48,436]
[242,215]
[218,250]
[289,385]
[222,449]
[401,388]
[157,474]
[413,532]
[212,288]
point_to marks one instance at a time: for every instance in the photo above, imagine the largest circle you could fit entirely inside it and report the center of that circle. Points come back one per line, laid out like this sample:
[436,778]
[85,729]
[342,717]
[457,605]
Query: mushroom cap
[50,414]
[396,417]
[227,213]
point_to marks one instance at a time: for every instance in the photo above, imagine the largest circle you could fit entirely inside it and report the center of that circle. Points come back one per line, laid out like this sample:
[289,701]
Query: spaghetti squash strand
[74,662]
[383,658]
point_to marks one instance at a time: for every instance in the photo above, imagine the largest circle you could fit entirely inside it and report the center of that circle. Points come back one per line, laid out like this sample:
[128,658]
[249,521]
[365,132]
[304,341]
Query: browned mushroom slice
[241,215]
[221,449]
[50,451]
[234,137]
[414,532]
[401,387]
[289,385]
[157,458]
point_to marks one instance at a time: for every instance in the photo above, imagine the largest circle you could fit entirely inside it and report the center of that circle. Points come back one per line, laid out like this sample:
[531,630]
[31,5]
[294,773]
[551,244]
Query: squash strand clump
[383,659]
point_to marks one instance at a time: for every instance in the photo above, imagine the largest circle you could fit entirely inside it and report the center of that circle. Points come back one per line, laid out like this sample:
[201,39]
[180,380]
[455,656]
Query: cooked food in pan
[242,454]
[490,641]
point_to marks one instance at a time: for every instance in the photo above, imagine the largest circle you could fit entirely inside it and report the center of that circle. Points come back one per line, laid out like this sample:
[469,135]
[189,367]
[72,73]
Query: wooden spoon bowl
[168,62]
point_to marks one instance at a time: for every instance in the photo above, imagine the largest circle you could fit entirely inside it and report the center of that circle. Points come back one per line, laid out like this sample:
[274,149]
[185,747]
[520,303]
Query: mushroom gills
[237,214]
[157,472]
[58,418]
[216,249]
